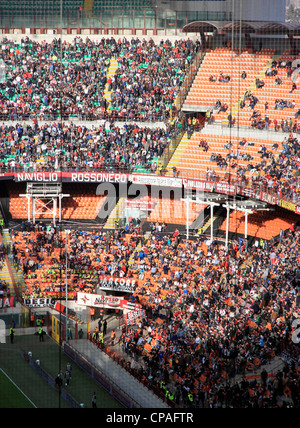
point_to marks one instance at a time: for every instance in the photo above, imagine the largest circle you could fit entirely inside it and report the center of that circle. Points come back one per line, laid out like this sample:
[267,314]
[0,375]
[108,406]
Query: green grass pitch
[11,396]
[24,387]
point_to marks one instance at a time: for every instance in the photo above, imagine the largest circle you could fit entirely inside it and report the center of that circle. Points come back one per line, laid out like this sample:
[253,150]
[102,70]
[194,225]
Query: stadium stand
[91,254]
[277,88]
[220,154]
[172,291]
[84,98]
[217,312]
[220,65]
[37,148]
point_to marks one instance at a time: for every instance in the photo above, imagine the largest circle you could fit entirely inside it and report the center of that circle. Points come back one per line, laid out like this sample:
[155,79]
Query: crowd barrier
[50,380]
[100,377]
[114,115]
[282,196]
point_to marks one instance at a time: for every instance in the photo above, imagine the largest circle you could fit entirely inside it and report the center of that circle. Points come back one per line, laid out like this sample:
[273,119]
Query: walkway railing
[126,366]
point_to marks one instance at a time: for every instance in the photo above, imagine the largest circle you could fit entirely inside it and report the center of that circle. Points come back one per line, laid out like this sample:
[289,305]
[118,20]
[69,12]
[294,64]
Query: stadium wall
[253,10]
[149,184]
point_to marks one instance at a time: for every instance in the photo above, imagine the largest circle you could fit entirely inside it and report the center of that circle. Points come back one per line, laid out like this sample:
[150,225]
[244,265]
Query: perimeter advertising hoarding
[155,180]
[69,177]
[150,180]
[204,186]
[44,302]
[287,205]
[39,302]
[7,302]
[106,302]
[99,301]
[7,176]
[51,300]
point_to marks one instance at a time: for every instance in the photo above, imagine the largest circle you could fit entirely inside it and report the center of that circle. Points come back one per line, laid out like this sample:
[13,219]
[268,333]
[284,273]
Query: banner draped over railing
[258,192]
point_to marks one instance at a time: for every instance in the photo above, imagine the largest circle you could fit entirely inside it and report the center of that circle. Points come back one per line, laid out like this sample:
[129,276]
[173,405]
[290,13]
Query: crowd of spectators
[277,171]
[75,147]
[260,121]
[213,314]
[273,168]
[149,76]
[48,80]
[41,251]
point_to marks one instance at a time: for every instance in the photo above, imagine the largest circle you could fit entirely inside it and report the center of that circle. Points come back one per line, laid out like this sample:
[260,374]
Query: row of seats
[76,208]
[87,206]
[174,211]
[50,6]
[194,162]
[206,93]
[262,225]
[79,206]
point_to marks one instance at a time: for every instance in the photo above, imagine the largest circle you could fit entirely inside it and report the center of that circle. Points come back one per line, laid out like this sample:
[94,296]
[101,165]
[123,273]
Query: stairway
[219,216]
[179,152]
[200,221]
[5,273]
[5,276]
[116,214]
[131,260]
[113,66]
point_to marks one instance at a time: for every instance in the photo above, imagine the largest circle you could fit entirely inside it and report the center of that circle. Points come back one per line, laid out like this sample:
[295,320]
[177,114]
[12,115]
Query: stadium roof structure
[43,197]
[247,207]
[250,204]
[248,27]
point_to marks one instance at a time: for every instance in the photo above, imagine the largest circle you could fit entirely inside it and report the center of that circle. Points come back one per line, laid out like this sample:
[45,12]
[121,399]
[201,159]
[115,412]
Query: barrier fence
[282,196]
[135,373]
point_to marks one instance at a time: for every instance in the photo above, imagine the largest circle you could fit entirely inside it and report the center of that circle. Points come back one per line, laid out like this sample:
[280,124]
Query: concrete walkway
[119,376]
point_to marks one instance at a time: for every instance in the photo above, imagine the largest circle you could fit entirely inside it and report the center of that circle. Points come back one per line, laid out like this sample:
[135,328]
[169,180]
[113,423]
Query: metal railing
[189,79]
[12,115]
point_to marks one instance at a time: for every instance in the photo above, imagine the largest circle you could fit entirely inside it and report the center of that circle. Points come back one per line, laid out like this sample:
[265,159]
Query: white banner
[131,317]
[205,186]
[141,205]
[125,304]
[99,301]
[40,302]
[124,285]
[156,180]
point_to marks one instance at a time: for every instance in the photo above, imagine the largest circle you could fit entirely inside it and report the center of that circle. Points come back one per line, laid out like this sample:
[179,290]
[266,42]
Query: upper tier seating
[272,91]
[195,162]
[221,60]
